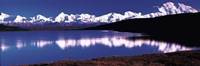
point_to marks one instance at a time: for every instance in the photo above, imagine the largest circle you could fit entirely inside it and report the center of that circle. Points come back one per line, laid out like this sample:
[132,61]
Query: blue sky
[97,7]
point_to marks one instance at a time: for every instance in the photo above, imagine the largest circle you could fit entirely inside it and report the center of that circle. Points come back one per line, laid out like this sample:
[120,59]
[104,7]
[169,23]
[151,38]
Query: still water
[47,46]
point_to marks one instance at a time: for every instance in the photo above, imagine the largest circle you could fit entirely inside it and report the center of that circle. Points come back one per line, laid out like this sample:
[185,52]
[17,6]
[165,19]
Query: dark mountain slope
[170,24]
[181,28]
[11,28]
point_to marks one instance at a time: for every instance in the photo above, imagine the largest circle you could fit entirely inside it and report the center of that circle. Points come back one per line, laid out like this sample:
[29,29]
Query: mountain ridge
[181,28]
[178,21]
[168,8]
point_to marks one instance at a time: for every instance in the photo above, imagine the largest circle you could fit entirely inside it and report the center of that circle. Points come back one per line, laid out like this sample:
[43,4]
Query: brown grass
[187,58]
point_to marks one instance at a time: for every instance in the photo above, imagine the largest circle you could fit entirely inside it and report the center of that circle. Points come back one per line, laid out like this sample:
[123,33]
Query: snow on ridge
[71,18]
[41,18]
[19,19]
[3,16]
[61,17]
[103,18]
[186,8]
[86,18]
[167,8]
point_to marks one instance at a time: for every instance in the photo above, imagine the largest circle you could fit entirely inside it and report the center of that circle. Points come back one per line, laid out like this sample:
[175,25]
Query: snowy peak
[3,16]
[71,18]
[61,17]
[19,19]
[103,18]
[167,8]
[40,18]
[131,15]
[117,17]
[187,9]
[86,18]
[170,8]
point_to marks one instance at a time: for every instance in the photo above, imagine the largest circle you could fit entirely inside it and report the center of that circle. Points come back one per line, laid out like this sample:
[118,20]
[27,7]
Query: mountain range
[168,8]
[181,28]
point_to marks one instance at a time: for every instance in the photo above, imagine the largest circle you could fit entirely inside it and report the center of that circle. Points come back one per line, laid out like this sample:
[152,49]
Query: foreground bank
[185,58]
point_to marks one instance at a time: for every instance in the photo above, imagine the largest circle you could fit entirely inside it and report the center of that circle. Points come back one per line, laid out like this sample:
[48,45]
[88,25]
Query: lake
[48,46]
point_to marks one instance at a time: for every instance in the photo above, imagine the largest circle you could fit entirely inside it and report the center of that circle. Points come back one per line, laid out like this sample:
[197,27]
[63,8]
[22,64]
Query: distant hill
[11,28]
[181,27]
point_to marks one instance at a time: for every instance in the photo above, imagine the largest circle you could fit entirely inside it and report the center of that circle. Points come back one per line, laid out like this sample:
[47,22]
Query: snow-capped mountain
[103,18]
[41,18]
[61,17]
[86,18]
[3,16]
[168,8]
[19,19]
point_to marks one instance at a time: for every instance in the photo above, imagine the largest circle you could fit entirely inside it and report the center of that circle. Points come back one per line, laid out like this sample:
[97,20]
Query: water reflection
[118,42]
[4,47]
[20,44]
[47,46]
[41,43]
[63,43]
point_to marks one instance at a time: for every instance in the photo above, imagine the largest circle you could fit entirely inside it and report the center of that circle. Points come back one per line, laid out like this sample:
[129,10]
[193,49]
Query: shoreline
[182,58]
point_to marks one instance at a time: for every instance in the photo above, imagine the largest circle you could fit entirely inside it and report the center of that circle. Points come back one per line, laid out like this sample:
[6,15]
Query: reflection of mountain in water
[107,41]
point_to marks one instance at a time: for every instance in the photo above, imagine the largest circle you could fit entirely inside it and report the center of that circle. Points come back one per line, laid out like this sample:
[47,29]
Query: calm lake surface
[47,46]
